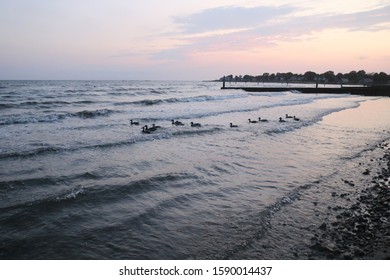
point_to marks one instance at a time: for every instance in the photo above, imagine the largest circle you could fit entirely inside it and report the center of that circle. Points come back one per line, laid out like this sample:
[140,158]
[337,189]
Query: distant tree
[339,77]
[279,77]
[381,78]
[329,76]
[353,77]
[259,78]
[310,76]
[247,78]
[229,78]
[289,75]
[361,75]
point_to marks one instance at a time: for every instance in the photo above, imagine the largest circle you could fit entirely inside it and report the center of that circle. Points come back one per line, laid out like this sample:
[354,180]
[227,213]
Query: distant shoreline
[375,90]
[352,78]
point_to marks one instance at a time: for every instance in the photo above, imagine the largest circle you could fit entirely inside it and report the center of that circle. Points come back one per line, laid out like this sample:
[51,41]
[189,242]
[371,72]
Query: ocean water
[78,181]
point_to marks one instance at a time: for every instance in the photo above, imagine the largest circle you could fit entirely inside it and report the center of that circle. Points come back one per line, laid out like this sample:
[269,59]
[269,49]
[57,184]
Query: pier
[374,90]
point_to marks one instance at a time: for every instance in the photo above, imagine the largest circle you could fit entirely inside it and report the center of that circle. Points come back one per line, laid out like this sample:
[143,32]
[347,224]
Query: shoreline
[342,217]
[361,231]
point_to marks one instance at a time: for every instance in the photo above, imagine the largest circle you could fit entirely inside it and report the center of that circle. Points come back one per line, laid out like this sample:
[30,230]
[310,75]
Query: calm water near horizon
[78,181]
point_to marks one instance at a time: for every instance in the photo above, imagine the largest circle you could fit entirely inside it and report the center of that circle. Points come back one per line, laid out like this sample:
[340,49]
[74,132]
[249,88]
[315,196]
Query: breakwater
[383,90]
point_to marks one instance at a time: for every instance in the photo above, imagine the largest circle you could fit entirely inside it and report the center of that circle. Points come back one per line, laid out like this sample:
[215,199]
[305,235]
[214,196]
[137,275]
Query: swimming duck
[176,122]
[233,125]
[134,123]
[262,120]
[155,126]
[281,120]
[195,124]
[146,130]
[295,118]
[288,117]
[250,121]
[150,128]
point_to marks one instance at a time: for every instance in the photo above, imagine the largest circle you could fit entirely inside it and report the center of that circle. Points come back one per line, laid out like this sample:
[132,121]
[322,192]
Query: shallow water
[77,181]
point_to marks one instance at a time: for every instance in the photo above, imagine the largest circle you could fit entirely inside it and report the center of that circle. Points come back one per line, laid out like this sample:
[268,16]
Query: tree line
[353,77]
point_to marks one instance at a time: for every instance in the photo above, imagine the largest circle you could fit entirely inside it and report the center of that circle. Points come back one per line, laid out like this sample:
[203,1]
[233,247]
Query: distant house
[322,79]
[367,81]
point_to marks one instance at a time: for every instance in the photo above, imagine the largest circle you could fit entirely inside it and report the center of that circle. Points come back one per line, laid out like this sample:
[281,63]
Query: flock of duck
[146,129]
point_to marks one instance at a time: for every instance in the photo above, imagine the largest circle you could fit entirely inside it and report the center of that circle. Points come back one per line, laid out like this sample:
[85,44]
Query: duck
[133,122]
[233,125]
[281,120]
[176,122]
[295,118]
[250,121]
[146,130]
[195,124]
[262,120]
[155,126]
[150,128]
[288,116]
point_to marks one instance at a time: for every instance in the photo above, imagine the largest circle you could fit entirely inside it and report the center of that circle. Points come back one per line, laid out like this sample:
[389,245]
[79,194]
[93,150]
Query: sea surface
[78,181]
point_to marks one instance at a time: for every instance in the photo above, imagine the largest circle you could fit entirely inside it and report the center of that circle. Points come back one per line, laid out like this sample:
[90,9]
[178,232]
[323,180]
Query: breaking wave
[23,119]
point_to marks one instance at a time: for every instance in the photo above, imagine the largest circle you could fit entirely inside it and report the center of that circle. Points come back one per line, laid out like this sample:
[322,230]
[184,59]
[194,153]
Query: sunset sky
[191,39]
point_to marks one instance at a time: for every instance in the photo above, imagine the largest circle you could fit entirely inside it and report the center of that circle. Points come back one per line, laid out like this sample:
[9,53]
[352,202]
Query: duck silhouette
[250,121]
[233,125]
[133,122]
[176,122]
[262,120]
[195,124]
[150,128]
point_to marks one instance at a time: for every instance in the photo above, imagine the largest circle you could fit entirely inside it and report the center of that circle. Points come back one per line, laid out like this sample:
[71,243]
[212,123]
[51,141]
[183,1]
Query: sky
[191,39]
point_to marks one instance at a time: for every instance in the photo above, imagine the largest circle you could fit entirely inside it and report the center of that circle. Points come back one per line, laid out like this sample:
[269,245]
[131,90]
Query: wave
[255,107]
[164,133]
[98,194]
[261,221]
[45,104]
[33,152]
[77,90]
[85,114]
[133,91]
[268,94]
[92,114]
[5,106]
[197,131]
[72,194]
[17,119]
[292,125]
[200,98]
[59,149]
